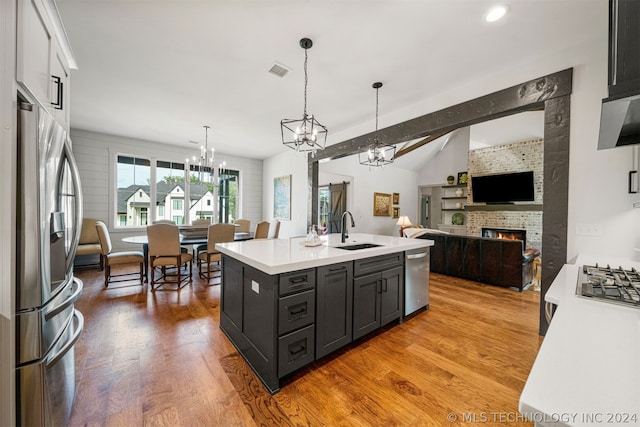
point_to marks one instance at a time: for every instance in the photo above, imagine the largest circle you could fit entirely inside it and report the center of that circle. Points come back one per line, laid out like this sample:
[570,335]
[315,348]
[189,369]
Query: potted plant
[451,179]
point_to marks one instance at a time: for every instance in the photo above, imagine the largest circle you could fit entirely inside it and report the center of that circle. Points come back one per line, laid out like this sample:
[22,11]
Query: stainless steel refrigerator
[49,217]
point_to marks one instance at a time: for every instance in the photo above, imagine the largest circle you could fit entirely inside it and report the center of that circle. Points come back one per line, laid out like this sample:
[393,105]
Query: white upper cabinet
[44,57]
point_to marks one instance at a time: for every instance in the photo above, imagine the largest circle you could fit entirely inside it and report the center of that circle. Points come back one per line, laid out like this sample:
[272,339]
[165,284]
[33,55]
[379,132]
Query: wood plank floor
[160,359]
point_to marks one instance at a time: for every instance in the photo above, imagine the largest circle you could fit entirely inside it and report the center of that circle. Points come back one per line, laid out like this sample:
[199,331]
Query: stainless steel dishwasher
[416,281]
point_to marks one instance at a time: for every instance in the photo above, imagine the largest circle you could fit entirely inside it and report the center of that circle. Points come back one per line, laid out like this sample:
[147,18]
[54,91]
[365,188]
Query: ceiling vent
[279,70]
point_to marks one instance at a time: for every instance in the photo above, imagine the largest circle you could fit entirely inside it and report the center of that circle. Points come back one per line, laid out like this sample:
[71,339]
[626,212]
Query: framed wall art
[396,198]
[396,212]
[381,204]
[282,197]
[463,177]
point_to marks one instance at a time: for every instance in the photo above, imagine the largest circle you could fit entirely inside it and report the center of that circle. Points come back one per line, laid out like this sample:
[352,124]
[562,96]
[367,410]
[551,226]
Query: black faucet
[343,229]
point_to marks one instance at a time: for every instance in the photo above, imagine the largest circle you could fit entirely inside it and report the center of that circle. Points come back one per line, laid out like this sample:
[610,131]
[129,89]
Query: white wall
[288,163]
[367,181]
[449,161]
[94,153]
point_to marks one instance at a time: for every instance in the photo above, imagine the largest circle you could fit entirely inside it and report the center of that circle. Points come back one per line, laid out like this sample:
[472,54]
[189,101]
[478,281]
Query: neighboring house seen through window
[174,199]
[132,177]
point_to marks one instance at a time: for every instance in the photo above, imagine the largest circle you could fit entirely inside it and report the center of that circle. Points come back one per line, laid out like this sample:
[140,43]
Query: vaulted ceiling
[159,70]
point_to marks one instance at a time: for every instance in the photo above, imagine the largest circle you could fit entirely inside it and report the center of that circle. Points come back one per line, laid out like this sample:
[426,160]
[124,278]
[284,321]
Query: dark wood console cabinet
[280,323]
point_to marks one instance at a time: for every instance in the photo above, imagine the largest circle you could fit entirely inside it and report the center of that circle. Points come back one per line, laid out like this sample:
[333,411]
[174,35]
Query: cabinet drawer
[297,281]
[377,264]
[296,311]
[295,350]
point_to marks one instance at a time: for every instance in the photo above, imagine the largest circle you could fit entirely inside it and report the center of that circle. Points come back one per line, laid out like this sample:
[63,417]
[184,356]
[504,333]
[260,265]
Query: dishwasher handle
[417,256]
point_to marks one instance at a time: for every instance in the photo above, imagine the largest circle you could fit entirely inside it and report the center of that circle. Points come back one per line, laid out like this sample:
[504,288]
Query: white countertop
[275,256]
[587,371]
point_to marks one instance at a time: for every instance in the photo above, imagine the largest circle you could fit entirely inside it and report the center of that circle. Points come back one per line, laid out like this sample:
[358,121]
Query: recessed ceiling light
[496,13]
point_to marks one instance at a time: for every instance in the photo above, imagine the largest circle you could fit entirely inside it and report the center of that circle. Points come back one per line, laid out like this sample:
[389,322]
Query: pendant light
[307,134]
[377,154]
[204,163]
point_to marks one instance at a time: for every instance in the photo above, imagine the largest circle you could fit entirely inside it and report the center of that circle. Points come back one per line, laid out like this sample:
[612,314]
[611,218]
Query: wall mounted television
[503,188]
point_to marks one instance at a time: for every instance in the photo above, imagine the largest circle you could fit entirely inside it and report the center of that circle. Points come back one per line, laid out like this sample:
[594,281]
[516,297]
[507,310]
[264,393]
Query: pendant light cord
[376,135]
[306,79]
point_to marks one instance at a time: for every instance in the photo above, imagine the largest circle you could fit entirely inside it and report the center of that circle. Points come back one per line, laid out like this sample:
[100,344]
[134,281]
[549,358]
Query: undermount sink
[357,246]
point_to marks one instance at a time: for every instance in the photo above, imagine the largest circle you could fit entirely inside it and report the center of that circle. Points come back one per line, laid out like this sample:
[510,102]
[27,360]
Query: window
[200,193]
[169,185]
[178,219]
[134,195]
[228,195]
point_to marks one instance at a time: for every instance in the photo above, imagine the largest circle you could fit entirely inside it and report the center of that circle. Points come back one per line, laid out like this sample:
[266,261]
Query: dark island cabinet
[281,323]
[334,307]
[377,296]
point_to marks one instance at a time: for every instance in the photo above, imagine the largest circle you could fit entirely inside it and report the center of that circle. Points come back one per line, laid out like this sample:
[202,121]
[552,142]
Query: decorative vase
[459,192]
[450,180]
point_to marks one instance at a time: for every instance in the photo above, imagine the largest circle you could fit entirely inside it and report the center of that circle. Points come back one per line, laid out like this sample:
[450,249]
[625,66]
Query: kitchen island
[285,305]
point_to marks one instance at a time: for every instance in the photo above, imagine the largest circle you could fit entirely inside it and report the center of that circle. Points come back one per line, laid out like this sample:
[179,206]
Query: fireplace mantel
[505,207]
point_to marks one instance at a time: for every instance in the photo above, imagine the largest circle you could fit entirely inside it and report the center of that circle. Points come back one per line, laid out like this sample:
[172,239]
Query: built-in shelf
[505,207]
[454,209]
[454,198]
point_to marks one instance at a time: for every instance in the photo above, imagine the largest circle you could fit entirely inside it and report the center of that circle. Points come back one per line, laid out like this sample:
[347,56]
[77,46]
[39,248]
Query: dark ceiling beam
[552,93]
[418,144]
[527,96]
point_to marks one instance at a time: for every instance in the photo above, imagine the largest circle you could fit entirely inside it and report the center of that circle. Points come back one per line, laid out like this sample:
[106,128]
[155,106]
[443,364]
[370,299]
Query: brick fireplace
[516,157]
[505,233]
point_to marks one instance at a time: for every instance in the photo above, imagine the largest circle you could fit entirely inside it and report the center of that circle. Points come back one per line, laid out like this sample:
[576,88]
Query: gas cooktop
[615,285]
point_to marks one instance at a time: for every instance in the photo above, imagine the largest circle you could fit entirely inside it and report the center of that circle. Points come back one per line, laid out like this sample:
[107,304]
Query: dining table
[185,239]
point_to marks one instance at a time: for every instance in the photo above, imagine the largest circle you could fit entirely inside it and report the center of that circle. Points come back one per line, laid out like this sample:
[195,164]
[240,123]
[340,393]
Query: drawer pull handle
[297,281]
[298,310]
[337,268]
[296,349]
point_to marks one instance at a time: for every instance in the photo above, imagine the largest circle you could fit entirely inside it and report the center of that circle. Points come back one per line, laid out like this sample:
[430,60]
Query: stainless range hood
[620,114]
[619,122]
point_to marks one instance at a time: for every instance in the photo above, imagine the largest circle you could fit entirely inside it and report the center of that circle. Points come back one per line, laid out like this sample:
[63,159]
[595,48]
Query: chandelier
[377,154]
[305,135]
[204,163]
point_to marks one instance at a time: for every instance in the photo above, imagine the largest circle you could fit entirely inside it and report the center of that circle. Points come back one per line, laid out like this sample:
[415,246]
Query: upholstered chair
[164,252]
[110,258]
[262,230]
[244,225]
[274,229]
[218,233]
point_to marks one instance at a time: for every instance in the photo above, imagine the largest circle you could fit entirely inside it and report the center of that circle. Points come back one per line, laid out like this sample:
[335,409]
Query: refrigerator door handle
[79,320]
[75,178]
[78,286]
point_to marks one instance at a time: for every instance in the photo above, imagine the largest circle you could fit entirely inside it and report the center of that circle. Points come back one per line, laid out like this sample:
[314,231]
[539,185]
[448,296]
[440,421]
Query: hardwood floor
[160,359]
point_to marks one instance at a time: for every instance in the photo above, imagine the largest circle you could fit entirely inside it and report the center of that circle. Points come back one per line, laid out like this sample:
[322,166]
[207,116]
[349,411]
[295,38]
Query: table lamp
[403,222]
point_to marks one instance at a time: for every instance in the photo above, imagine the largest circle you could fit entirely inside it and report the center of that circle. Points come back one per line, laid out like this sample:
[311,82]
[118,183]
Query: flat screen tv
[503,188]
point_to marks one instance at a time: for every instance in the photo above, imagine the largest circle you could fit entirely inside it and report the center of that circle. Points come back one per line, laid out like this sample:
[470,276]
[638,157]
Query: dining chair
[196,249]
[262,230]
[165,251]
[244,225]
[274,229]
[164,221]
[217,233]
[110,258]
